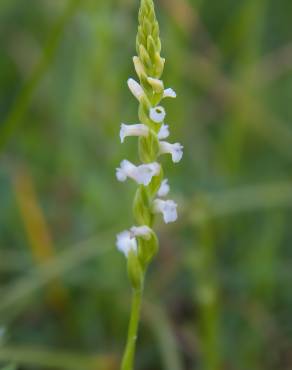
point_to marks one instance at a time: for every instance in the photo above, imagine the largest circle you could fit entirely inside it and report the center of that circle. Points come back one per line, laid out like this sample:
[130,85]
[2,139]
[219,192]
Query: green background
[218,296]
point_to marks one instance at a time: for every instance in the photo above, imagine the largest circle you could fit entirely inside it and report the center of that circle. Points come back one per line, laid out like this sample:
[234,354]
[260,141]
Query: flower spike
[140,243]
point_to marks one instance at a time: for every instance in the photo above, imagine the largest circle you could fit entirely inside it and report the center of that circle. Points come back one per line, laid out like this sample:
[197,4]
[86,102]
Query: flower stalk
[140,243]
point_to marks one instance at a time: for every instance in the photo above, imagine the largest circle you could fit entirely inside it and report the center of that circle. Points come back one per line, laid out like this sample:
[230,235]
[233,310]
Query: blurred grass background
[218,297]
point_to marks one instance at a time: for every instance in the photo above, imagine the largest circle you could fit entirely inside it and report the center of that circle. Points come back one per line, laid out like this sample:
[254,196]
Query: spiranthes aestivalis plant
[140,244]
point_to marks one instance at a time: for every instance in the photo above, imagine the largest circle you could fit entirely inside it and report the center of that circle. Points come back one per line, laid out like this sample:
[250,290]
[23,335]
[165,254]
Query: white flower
[176,150]
[164,189]
[157,114]
[141,231]
[164,132]
[141,174]
[125,243]
[169,93]
[167,208]
[133,130]
[135,88]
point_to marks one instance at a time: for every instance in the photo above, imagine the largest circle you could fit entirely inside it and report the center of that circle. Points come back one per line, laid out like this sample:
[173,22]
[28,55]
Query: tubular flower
[141,174]
[133,130]
[176,150]
[167,208]
[126,243]
[157,114]
[140,243]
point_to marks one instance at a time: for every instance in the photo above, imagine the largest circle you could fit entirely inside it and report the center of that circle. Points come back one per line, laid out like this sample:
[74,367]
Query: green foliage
[219,294]
[9,367]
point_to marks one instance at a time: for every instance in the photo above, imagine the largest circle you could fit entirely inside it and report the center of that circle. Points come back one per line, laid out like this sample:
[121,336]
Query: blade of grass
[57,359]
[39,235]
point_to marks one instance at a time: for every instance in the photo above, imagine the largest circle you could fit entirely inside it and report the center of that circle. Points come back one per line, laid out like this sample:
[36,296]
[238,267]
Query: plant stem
[129,354]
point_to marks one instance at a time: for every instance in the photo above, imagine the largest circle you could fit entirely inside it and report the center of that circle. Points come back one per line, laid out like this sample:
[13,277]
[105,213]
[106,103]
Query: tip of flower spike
[157,114]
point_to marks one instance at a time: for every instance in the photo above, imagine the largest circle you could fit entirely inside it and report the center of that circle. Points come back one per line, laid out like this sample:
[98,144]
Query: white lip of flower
[163,133]
[169,93]
[176,150]
[135,88]
[141,174]
[125,243]
[167,208]
[141,231]
[157,114]
[164,189]
[133,130]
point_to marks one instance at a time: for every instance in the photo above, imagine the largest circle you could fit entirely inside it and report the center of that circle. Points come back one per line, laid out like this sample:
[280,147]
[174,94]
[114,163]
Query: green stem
[129,354]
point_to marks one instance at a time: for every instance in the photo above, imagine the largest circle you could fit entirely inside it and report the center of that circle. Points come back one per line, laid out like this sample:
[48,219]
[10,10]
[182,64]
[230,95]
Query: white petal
[169,93]
[164,189]
[120,174]
[163,133]
[167,208]
[142,231]
[133,130]
[125,243]
[176,150]
[135,88]
[157,114]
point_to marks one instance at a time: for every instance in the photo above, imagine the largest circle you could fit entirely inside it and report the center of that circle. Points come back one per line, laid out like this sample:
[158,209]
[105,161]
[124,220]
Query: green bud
[158,65]
[147,249]
[148,147]
[147,28]
[142,206]
[157,85]
[139,68]
[135,271]
[155,184]
[151,48]
[145,58]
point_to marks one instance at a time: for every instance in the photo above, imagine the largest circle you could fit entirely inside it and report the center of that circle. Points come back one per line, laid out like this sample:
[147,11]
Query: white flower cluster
[143,174]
